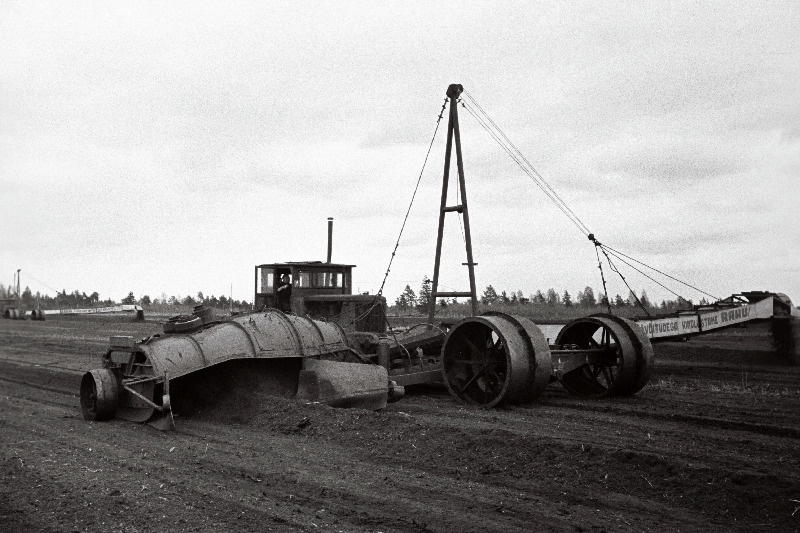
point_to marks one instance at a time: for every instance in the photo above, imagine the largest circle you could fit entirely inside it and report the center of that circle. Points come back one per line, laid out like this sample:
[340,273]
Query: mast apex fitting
[455,90]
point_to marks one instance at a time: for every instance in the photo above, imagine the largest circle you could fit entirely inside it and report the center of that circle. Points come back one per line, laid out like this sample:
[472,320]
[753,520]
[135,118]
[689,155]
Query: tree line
[62,299]
[409,299]
[222,302]
[78,299]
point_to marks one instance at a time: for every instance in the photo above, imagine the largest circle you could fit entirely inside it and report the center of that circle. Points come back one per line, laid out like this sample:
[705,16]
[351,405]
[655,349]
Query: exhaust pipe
[330,238]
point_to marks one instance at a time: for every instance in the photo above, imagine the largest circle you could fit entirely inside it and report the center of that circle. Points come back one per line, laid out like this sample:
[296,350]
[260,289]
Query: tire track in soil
[607,407]
[757,472]
[705,421]
[565,425]
[699,368]
[556,410]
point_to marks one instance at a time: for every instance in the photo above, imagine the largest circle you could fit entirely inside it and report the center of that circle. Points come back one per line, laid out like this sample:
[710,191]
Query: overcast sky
[169,147]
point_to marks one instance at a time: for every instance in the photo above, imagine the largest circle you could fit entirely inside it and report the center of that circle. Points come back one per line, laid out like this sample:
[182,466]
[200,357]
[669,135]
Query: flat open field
[712,443]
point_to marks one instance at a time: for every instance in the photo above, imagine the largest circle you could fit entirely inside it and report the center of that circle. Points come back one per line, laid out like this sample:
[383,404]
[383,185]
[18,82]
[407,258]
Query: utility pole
[453,132]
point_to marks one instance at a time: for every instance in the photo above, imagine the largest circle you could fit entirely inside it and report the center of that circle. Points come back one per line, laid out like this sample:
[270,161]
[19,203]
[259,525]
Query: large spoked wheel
[492,359]
[621,356]
[476,366]
[99,395]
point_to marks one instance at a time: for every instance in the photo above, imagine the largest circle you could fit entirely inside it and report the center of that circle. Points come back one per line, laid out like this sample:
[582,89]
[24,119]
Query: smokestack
[330,238]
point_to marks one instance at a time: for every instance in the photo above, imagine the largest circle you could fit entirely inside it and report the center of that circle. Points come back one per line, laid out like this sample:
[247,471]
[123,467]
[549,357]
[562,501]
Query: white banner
[689,324]
[94,310]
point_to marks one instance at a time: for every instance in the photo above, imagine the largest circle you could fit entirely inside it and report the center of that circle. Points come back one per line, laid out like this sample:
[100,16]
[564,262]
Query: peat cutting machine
[12,308]
[324,344]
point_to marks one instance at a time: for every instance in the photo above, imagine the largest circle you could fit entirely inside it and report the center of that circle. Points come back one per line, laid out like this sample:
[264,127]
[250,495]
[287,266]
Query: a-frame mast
[453,92]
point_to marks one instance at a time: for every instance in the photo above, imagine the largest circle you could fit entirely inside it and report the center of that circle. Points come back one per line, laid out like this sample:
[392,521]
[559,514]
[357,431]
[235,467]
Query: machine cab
[286,286]
[322,291]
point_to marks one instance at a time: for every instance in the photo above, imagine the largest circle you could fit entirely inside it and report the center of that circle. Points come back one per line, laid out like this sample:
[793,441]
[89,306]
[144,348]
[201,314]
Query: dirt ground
[712,443]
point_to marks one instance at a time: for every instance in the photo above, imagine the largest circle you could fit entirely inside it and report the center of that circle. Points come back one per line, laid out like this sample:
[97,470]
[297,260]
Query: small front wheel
[99,394]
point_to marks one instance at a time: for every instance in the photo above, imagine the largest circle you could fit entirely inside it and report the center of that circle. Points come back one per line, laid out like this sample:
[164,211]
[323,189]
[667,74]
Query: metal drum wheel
[495,359]
[618,359]
[99,394]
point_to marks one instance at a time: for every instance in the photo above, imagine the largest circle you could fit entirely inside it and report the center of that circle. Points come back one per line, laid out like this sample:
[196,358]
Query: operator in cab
[284,293]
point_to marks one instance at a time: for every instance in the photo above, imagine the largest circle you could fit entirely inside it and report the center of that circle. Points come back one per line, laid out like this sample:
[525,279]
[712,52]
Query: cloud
[668,162]
[654,242]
